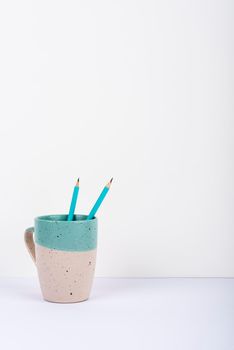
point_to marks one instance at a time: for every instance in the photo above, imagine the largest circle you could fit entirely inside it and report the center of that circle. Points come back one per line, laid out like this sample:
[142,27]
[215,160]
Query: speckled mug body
[65,257]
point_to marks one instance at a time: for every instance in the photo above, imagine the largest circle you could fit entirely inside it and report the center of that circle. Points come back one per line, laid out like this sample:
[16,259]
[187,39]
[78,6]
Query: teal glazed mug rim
[63,218]
[56,233]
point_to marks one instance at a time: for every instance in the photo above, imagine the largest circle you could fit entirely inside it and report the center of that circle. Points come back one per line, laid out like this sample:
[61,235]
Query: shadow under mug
[64,253]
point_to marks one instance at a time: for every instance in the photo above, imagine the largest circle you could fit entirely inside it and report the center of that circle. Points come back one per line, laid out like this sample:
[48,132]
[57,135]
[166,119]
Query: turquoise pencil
[73,201]
[99,200]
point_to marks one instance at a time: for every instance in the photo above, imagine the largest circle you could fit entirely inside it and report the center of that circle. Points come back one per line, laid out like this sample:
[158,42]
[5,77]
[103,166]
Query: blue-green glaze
[55,232]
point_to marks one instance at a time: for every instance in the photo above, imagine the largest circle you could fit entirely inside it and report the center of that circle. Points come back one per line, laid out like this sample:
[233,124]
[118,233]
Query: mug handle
[29,241]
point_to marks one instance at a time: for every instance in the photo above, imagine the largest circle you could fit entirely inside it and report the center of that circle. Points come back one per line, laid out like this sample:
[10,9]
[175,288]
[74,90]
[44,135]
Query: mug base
[65,277]
[65,301]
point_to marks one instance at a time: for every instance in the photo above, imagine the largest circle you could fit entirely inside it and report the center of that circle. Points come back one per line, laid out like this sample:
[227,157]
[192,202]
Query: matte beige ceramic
[65,277]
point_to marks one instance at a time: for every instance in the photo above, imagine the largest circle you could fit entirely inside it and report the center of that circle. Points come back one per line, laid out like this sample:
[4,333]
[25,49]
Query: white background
[147,313]
[138,90]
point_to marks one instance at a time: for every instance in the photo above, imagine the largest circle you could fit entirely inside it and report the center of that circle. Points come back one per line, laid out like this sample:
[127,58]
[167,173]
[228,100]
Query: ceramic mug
[64,253]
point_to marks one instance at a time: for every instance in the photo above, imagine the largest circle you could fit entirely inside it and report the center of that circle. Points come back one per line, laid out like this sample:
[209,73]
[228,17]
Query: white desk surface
[157,314]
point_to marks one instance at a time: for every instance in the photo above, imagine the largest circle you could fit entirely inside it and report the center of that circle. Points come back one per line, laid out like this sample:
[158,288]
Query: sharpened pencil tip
[78,181]
[109,183]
